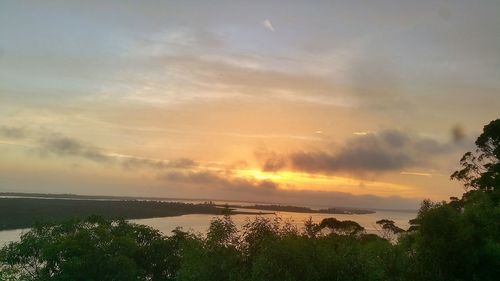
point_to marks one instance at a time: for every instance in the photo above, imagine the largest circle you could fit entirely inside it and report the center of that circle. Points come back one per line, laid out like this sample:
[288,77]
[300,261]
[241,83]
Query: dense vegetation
[448,241]
[24,212]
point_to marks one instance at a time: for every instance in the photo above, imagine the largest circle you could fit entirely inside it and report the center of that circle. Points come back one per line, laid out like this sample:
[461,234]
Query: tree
[90,249]
[346,227]
[215,257]
[460,239]
[311,229]
[222,232]
[481,169]
[454,244]
[389,228]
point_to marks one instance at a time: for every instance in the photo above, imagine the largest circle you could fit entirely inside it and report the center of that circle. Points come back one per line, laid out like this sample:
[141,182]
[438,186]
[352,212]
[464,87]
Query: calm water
[10,235]
[200,223]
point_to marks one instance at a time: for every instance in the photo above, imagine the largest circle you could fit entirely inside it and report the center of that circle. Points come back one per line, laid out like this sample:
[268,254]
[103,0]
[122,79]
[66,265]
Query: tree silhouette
[389,228]
[347,227]
[481,169]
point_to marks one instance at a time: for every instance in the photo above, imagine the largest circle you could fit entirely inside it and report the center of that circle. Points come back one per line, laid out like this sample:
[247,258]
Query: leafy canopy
[481,168]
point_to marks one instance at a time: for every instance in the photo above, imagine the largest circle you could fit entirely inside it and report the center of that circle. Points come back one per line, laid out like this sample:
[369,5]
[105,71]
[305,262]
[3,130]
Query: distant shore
[25,212]
[22,210]
[296,209]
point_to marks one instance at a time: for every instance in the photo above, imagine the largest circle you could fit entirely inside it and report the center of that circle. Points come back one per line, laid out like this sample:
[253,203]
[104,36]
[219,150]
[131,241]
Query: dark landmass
[347,211]
[115,197]
[87,197]
[296,209]
[336,210]
[24,212]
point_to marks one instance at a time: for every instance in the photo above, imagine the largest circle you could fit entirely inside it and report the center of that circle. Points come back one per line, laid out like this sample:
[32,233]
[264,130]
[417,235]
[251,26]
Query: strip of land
[24,212]
[296,209]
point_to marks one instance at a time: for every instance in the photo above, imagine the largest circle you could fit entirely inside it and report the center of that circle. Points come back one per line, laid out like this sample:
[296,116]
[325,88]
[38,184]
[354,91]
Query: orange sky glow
[331,103]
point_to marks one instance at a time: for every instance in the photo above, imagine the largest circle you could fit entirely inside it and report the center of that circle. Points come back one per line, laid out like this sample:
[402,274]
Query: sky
[318,103]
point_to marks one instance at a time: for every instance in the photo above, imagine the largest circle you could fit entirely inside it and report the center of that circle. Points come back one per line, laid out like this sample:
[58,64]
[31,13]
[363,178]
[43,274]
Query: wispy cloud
[56,144]
[66,146]
[268,25]
[420,174]
[220,180]
[12,132]
[204,77]
[69,147]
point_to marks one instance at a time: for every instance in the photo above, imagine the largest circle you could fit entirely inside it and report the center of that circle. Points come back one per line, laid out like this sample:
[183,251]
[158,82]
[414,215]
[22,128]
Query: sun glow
[260,175]
[289,180]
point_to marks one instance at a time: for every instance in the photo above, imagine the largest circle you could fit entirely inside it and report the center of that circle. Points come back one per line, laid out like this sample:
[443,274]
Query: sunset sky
[325,103]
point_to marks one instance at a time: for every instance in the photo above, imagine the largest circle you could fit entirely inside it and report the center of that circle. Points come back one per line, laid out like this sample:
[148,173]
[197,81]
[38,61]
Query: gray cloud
[270,161]
[249,75]
[182,163]
[458,133]
[221,180]
[342,199]
[389,150]
[219,185]
[65,146]
[12,132]
[69,147]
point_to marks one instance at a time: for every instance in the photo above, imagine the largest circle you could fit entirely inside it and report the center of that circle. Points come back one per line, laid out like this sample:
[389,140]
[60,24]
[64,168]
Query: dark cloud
[389,150]
[69,147]
[270,161]
[182,163]
[342,199]
[12,132]
[350,160]
[458,133]
[220,185]
[220,180]
[65,146]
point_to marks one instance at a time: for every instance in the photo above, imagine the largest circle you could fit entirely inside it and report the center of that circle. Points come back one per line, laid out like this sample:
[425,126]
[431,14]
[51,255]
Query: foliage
[341,227]
[215,257]
[455,244]
[91,249]
[481,169]
[389,229]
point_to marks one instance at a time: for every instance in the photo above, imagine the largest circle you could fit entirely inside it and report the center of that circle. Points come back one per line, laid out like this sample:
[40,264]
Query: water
[7,236]
[199,223]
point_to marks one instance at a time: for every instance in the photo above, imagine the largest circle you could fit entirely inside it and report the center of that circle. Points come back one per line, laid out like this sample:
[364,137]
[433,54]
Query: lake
[200,222]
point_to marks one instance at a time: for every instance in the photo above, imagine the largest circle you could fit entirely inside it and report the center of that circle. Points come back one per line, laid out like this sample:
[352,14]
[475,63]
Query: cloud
[220,180]
[135,162]
[270,161]
[191,78]
[419,174]
[65,146]
[389,150]
[220,185]
[268,25]
[12,132]
[458,133]
[342,199]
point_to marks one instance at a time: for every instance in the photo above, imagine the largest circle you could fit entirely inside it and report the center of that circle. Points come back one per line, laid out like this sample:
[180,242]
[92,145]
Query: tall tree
[481,168]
